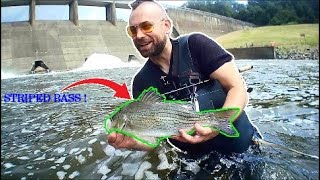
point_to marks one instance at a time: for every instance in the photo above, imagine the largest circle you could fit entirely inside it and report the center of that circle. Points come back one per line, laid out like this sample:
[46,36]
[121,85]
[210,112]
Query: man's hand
[118,140]
[202,134]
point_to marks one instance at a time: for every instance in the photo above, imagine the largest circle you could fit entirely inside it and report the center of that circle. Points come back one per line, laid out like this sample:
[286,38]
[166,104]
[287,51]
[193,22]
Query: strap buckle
[194,78]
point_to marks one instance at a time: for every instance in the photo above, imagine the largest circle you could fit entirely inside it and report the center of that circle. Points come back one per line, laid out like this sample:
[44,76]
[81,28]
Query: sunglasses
[145,27]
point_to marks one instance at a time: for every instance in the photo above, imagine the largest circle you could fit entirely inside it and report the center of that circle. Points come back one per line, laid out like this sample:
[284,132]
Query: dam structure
[65,44]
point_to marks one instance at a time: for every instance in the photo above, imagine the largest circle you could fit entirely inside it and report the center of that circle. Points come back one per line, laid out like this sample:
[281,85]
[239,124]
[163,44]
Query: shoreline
[297,54]
[275,52]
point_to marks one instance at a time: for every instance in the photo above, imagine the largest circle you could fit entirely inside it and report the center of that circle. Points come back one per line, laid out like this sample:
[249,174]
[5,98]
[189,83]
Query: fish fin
[151,95]
[188,106]
[195,105]
[225,118]
[149,140]
[175,147]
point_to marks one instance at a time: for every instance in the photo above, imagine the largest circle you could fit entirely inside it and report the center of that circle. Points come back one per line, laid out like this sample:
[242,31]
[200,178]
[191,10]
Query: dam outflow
[65,44]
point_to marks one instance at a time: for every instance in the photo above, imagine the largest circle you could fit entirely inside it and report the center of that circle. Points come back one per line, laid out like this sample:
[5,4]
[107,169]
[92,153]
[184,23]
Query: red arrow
[121,90]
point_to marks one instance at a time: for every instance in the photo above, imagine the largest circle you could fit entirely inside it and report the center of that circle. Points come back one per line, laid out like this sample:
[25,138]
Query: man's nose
[140,33]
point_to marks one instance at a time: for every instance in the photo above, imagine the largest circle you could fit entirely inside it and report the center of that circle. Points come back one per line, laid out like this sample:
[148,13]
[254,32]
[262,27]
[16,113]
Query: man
[174,64]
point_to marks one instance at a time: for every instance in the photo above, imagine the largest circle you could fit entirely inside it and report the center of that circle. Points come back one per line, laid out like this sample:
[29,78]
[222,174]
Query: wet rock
[129,169]
[151,175]
[143,167]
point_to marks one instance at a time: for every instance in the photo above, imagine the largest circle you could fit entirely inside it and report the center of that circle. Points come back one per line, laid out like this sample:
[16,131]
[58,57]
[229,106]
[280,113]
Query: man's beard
[155,50]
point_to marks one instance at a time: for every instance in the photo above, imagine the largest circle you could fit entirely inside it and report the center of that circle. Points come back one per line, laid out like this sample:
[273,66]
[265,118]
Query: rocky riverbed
[297,54]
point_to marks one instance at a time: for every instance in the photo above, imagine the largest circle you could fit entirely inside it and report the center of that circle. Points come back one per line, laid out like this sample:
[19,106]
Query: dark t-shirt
[209,55]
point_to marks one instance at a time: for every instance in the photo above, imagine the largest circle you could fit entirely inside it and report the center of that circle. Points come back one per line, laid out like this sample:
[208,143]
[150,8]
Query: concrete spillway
[61,45]
[64,45]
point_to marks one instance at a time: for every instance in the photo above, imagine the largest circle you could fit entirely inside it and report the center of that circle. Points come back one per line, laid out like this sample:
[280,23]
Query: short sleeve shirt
[208,54]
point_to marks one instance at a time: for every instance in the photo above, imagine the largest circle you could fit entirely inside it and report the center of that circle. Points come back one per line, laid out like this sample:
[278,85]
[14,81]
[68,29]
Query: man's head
[149,27]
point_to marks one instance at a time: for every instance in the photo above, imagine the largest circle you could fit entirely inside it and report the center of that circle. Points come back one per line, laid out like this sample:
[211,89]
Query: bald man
[168,69]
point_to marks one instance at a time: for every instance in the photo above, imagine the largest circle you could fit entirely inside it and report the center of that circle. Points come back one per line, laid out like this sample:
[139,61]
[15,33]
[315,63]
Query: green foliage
[284,17]
[285,36]
[263,12]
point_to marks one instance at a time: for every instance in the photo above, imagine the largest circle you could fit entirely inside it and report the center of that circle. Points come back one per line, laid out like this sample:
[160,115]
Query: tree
[284,17]
[223,8]
[263,12]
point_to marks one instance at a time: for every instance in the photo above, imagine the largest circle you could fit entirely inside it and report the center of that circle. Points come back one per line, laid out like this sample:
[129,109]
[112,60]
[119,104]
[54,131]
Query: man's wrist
[142,147]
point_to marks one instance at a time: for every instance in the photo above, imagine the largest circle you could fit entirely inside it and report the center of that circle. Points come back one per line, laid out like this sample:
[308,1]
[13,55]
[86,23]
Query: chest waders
[184,72]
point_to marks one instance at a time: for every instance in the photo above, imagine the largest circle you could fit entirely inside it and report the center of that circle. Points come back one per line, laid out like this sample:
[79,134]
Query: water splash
[95,61]
[7,75]
[106,61]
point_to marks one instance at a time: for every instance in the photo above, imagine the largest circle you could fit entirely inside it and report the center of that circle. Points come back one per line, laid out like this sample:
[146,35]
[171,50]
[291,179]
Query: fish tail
[223,121]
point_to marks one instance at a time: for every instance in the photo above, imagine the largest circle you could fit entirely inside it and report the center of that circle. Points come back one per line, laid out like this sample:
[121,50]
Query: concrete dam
[65,44]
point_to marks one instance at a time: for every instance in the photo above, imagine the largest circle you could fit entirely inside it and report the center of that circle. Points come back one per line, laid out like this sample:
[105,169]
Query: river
[66,140]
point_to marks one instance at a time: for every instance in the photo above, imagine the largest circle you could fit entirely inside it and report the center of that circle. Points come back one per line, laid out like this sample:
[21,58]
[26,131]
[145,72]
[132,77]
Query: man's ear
[168,25]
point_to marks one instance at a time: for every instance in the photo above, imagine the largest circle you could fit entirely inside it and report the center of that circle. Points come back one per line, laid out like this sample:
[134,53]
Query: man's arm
[231,80]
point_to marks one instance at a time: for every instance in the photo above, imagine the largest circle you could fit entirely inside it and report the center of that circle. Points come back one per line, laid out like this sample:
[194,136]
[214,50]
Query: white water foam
[94,62]
[105,61]
[6,75]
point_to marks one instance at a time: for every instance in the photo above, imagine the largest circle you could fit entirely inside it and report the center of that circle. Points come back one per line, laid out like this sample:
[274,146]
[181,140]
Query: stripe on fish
[151,118]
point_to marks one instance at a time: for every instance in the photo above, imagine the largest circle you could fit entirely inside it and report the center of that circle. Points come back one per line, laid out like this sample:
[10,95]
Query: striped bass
[151,118]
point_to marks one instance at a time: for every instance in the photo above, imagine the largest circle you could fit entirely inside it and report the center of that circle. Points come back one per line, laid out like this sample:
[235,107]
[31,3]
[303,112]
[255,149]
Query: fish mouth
[109,123]
[113,124]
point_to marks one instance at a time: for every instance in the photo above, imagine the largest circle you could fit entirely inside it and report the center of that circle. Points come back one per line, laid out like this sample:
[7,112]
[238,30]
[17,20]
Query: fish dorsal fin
[151,95]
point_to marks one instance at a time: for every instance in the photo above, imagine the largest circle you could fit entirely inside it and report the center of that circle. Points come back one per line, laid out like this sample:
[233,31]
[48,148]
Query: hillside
[287,36]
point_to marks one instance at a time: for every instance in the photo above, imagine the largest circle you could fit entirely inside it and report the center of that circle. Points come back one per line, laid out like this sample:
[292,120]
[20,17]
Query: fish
[151,118]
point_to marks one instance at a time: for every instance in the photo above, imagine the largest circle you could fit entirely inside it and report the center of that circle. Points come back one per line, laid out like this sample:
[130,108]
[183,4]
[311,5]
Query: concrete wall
[64,45]
[188,20]
[253,53]
[60,44]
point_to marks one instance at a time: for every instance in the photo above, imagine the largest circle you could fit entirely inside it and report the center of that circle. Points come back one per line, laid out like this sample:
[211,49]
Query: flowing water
[66,140]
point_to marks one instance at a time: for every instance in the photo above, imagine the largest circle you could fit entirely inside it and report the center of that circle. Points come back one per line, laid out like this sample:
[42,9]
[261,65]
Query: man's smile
[144,45]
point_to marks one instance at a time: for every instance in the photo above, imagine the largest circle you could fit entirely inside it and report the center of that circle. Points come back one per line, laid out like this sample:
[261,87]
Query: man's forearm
[142,147]
[236,97]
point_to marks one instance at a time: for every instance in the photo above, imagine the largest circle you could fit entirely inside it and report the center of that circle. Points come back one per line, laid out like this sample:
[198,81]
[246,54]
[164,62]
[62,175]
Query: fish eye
[125,119]
[123,125]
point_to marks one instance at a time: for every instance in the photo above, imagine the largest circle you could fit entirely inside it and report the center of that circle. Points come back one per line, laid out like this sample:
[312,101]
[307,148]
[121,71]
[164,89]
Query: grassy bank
[302,36]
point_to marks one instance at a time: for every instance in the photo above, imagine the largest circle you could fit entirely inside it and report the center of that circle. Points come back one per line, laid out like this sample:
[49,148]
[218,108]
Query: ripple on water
[68,140]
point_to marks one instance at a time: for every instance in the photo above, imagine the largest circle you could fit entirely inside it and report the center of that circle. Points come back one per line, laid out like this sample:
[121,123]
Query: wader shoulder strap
[184,69]
[182,65]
